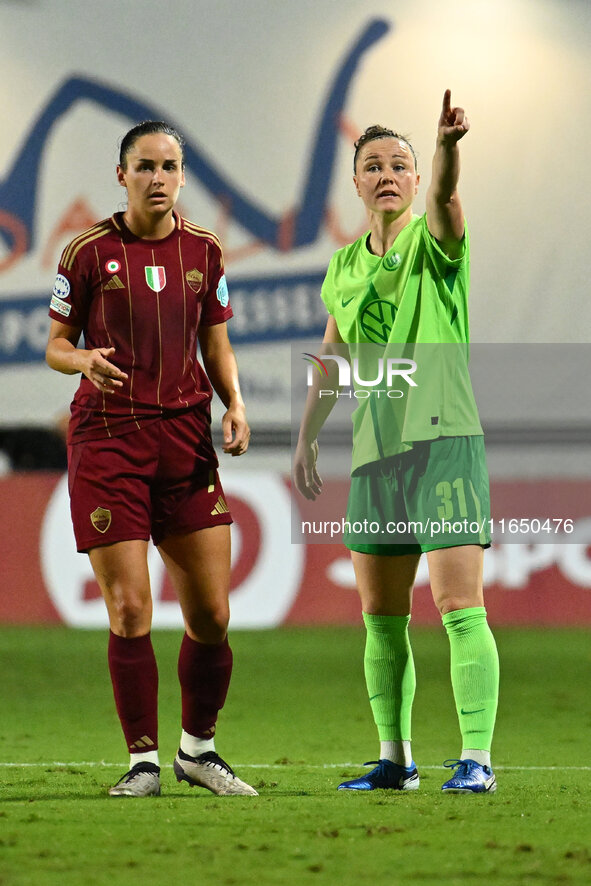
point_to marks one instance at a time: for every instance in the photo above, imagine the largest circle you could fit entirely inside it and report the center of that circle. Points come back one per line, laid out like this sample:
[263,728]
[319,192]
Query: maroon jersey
[147,299]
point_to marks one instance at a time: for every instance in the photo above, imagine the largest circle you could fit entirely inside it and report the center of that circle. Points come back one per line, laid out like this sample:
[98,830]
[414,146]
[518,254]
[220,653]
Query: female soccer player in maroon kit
[144,287]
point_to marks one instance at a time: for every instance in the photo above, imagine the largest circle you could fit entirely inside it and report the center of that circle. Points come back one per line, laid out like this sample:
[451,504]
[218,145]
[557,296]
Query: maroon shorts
[159,481]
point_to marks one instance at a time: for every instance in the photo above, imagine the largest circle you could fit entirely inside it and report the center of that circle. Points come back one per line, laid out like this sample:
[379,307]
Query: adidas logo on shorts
[220,507]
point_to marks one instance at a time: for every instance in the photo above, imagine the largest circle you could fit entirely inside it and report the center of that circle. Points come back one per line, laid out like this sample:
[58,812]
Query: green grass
[296,722]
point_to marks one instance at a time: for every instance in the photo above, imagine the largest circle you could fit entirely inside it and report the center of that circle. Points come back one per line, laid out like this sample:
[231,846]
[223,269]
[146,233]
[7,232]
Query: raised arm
[445,217]
[222,370]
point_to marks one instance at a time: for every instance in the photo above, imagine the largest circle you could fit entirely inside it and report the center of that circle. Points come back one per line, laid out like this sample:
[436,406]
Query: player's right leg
[385,585]
[110,502]
[122,573]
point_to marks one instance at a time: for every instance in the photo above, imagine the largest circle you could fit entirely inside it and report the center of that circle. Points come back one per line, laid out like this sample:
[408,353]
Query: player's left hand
[236,431]
[453,123]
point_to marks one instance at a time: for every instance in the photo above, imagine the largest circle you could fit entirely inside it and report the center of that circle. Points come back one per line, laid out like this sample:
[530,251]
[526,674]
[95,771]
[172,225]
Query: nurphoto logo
[387,371]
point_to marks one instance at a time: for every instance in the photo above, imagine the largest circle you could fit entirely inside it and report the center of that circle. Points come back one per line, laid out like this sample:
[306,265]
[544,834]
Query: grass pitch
[297,722]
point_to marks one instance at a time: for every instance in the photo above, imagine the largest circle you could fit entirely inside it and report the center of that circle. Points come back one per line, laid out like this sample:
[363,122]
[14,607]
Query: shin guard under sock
[204,673]
[134,675]
[389,674]
[474,674]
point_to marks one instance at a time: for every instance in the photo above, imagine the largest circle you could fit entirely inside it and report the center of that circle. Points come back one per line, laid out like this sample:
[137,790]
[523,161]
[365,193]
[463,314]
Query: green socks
[389,674]
[474,674]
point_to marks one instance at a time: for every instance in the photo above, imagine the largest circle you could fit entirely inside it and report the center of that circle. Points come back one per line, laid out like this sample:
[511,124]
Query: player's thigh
[447,492]
[109,484]
[385,583]
[455,575]
[376,519]
[198,564]
[121,570]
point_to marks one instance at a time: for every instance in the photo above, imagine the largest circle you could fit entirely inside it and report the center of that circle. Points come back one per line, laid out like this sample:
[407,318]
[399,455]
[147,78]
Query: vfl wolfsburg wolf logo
[377,320]
[391,262]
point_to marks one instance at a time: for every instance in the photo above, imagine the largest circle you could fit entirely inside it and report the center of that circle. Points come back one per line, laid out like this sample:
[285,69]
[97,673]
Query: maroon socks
[134,675]
[204,674]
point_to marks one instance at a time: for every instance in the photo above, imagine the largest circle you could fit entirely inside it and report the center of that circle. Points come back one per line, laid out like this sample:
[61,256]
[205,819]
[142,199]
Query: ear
[417,184]
[356,183]
[183,178]
[121,176]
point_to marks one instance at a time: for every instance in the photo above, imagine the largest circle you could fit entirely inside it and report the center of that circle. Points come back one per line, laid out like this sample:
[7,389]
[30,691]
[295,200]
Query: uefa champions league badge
[61,287]
[222,293]
[60,292]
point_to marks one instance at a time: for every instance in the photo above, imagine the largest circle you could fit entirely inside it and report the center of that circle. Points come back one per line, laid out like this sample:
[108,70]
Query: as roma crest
[155,277]
[101,519]
[194,279]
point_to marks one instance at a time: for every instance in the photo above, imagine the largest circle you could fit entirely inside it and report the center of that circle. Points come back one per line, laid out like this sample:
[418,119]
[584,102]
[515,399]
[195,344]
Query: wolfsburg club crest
[155,277]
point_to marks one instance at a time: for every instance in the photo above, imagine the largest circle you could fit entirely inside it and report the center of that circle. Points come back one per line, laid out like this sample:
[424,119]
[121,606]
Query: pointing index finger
[447,101]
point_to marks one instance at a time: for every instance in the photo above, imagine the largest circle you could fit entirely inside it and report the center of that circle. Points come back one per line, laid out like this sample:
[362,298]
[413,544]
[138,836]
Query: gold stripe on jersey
[182,267]
[194,229]
[159,338]
[71,251]
[131,343]
[100,276]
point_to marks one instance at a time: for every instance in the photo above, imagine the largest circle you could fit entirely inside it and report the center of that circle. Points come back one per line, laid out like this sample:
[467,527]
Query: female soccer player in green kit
[405,281]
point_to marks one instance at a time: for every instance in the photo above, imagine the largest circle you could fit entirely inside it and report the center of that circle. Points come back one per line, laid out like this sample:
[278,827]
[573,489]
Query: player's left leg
[385,584]
[199,567]
[456,582]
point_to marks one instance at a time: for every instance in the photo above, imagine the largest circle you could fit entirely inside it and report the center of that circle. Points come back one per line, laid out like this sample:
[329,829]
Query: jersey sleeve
[328,292]
[216,304]
[70,294]
[442,263]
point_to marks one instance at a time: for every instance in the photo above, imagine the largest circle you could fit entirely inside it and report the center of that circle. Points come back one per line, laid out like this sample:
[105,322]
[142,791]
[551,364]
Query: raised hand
[453,123]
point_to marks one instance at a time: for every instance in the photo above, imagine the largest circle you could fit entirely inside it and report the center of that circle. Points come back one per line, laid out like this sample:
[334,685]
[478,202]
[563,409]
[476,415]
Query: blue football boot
[388,775]
[470,778]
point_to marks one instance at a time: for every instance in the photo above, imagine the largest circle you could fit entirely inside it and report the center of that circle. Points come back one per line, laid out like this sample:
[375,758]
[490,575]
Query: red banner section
[538,570]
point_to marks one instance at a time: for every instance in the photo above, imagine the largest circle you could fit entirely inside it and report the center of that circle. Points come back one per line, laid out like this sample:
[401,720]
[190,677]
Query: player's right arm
[317,409]
[63,355]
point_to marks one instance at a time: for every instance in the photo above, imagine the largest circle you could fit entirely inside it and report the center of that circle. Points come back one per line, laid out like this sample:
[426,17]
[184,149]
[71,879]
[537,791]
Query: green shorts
[434,496]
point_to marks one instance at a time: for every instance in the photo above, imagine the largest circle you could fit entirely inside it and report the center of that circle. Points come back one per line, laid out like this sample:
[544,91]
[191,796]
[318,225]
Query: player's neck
[384,228]
[149,227]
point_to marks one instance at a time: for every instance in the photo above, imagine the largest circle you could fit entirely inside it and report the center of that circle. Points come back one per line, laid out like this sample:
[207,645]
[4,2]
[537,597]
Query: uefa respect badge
[222,293]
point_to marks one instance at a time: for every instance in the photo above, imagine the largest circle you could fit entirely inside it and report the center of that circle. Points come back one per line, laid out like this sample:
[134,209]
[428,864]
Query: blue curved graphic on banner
[19,190]
[267,307]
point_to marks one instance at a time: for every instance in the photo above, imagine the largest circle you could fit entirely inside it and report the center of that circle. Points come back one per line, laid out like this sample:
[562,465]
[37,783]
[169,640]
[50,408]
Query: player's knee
[130,616]
[210,624]
[455,602]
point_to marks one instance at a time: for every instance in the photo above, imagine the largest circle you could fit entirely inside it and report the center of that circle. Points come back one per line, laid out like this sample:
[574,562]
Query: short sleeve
[216,304]
[442,262]
[327,293]
[70,294]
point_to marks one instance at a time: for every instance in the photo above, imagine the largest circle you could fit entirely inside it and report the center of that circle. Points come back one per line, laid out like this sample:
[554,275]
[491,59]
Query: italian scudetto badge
[155,277]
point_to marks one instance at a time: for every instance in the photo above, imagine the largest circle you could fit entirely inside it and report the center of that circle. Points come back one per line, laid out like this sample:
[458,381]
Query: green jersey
[409,305]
